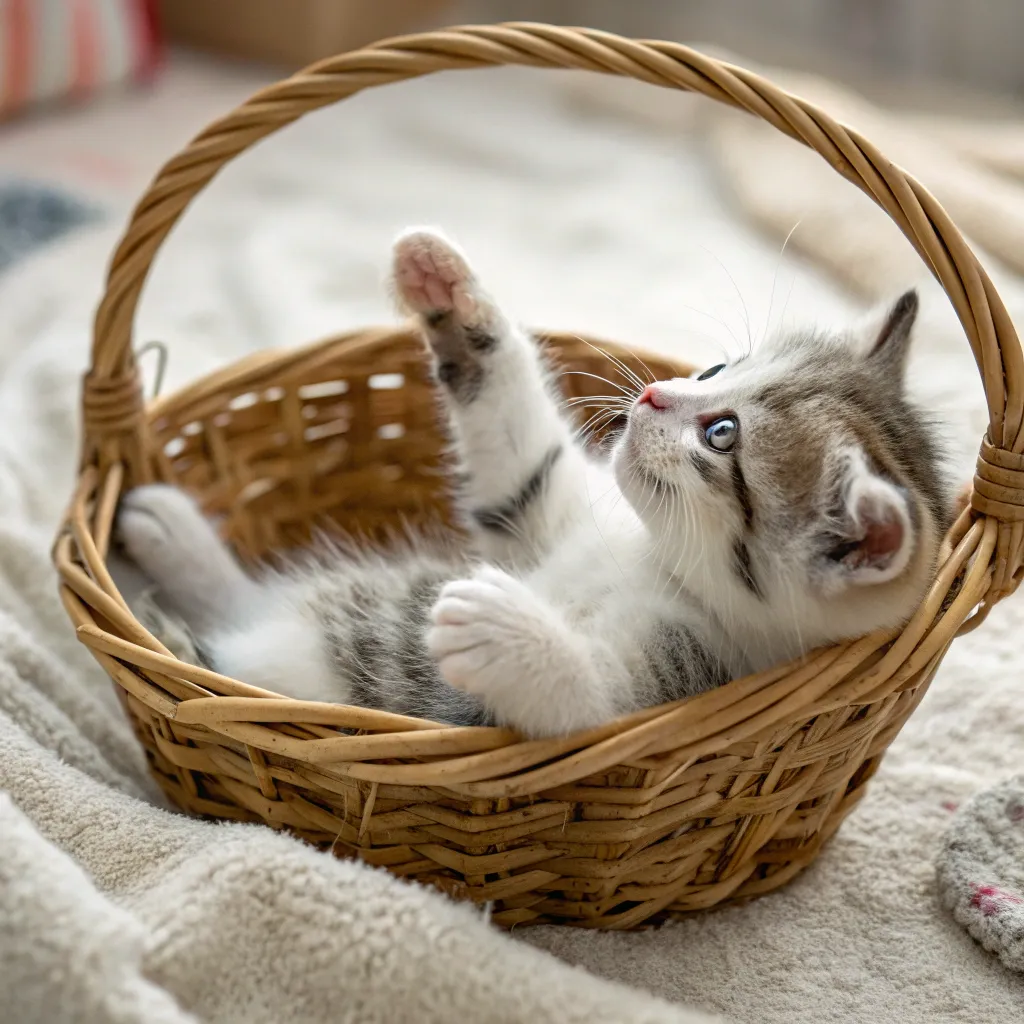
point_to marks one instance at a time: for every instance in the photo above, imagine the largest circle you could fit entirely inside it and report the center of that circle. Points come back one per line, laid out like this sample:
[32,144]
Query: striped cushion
[55,48]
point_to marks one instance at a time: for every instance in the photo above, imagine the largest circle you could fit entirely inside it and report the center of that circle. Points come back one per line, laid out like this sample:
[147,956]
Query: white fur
[495,639]
[285,654]
[166,536]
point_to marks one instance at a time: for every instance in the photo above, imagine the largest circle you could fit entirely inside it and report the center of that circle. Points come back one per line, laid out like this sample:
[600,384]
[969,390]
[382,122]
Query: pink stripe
[18,51]
[86,47]
[143,17]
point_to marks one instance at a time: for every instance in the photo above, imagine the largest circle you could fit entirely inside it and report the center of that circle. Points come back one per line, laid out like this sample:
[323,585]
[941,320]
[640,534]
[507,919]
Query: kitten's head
[796,486]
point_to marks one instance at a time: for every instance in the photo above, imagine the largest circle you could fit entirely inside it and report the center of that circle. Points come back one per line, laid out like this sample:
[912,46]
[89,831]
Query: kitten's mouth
[634,465]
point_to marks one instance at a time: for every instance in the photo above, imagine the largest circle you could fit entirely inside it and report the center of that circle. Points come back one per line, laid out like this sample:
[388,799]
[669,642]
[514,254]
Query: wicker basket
[672,809]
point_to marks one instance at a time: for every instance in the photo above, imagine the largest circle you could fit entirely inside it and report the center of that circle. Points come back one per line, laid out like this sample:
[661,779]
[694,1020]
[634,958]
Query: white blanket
[114,909]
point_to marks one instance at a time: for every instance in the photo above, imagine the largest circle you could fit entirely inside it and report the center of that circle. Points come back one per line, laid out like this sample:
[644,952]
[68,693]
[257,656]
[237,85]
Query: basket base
[448,844]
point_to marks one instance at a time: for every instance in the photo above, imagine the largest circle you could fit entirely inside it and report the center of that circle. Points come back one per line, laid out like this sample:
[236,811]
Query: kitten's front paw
[432,277]
[461,324]
[486,632]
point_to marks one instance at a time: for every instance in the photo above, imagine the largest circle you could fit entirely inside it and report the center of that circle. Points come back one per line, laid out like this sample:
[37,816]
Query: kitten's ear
[891,342]
[876,538]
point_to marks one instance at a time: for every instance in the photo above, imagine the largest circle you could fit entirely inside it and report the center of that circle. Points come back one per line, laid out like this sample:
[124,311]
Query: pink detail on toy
[949,805]
[990,899]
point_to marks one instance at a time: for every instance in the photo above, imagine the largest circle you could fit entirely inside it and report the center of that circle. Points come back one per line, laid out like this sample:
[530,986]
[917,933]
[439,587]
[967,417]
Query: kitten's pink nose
[652,397]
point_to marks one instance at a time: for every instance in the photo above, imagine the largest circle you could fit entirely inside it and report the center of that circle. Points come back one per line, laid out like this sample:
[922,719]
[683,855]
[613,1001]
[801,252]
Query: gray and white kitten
[792,498]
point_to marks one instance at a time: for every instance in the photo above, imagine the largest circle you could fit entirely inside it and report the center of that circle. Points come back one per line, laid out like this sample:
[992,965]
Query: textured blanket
[112,907]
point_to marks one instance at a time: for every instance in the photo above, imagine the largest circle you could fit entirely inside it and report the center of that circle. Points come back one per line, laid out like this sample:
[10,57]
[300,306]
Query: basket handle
[114,424]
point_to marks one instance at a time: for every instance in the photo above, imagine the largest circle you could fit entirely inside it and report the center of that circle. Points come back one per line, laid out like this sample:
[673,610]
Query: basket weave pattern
[672,809]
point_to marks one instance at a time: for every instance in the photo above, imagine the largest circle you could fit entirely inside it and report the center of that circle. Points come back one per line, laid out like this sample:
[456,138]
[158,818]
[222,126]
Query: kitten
[789,499]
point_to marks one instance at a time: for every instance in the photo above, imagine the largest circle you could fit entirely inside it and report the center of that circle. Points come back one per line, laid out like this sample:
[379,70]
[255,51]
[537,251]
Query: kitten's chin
[631,474]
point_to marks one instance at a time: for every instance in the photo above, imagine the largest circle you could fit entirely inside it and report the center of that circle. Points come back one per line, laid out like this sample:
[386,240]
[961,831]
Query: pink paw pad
[990,899]
[431,276]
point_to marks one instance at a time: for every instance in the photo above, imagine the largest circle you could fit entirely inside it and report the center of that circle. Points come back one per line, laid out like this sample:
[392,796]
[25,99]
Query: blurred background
[53,48]
[939,56]
[920,45]
[96,94]
[537,171]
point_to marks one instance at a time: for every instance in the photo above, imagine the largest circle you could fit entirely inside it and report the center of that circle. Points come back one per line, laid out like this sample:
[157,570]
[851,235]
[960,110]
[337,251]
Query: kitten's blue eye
[711,371]
[721,434]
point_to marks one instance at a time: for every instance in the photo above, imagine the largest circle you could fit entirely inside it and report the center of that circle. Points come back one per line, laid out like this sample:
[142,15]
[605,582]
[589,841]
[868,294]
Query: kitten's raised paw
[460,323]
[486,632]
[433,278]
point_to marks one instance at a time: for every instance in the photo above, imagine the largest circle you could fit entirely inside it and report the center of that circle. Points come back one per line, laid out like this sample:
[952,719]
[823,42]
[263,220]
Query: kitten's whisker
[647,369]
[739,295]
[691,519]
[597,401]
[684,578]
[721,323]
[680,523]
[603,380]
[515,530]
[775,278]
[638,472]
[785,305]
[601,497]
[660,541]
[618,497]
[667,535]
[601,413]
[630,374]
[595,423]
[577,399]
[715,343]
[610,410]
[611,554]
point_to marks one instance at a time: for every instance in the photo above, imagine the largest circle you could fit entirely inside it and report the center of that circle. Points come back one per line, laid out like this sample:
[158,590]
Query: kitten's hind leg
[163,531]
[525,475]
[169,629]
